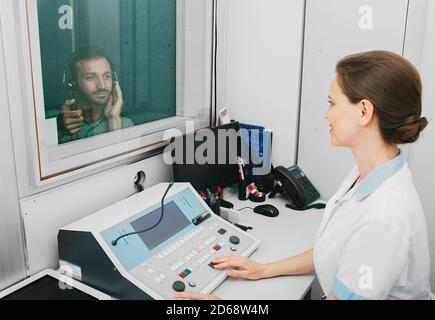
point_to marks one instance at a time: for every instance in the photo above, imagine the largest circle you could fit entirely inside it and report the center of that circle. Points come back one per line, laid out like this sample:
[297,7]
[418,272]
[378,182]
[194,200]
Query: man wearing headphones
[96,98]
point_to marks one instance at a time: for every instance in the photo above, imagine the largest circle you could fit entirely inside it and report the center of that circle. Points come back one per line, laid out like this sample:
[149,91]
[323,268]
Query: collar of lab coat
[375,178]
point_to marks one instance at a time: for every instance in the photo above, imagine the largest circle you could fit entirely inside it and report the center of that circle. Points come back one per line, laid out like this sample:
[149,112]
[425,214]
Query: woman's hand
[195,296]
[240,267]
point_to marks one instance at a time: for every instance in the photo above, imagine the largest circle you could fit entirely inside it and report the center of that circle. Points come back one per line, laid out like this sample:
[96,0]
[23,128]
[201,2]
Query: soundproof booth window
[111,75]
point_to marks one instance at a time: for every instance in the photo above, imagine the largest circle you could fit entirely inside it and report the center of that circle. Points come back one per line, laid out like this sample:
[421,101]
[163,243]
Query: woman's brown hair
[392,84]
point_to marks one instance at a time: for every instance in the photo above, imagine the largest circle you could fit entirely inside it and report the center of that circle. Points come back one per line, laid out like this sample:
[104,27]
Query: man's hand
[72,120]
[114,107]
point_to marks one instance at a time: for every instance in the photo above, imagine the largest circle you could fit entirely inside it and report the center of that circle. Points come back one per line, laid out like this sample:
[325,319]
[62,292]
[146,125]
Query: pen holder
[242,190]
[215,205]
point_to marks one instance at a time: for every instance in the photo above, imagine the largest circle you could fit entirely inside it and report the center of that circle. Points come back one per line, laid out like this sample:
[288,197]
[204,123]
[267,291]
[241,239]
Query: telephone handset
[295,184]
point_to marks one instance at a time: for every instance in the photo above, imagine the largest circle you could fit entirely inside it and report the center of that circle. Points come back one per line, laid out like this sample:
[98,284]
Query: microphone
[115,242]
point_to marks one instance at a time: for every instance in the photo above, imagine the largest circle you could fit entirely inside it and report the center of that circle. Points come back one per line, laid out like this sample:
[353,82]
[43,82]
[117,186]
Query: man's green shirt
[88,130]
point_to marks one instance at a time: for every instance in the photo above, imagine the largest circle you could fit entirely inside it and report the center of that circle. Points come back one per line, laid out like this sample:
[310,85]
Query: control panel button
[234,240]
[178,286]
[233,249]
[192,284]
[222,231]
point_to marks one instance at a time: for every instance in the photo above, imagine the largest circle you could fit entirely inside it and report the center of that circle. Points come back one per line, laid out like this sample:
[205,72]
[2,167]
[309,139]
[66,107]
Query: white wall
[12,267]
[331,32]
[422,153]
[260,83]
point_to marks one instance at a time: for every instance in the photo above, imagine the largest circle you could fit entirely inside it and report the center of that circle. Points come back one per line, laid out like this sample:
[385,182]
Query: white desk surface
[290,233]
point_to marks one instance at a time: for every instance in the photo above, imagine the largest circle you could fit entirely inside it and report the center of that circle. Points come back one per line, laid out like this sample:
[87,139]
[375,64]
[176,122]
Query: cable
[313,206]
[245,208]
[115,242]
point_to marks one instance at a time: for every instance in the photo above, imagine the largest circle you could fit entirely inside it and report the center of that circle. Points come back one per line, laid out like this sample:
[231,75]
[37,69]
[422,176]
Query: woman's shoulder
[396,203]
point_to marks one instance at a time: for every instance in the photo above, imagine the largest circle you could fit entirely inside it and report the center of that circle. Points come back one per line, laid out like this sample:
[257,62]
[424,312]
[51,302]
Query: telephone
[295,184]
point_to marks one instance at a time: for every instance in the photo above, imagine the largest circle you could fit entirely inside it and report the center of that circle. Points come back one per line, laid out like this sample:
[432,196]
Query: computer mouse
[267,210]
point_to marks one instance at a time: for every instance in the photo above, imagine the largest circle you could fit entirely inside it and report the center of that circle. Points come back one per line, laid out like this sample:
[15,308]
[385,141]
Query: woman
[372,242]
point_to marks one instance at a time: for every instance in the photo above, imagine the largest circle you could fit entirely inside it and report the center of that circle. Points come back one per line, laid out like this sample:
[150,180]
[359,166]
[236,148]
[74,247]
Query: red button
[216,248]
[182,275]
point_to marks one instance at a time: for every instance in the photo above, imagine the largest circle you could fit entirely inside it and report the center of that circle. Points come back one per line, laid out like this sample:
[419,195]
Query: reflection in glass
[88,45]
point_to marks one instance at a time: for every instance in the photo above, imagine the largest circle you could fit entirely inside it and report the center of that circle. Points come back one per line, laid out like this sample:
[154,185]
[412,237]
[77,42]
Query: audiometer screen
[173,221]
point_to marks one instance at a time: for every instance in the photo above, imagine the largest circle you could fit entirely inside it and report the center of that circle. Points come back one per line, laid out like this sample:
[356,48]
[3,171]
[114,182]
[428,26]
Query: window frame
[65,161]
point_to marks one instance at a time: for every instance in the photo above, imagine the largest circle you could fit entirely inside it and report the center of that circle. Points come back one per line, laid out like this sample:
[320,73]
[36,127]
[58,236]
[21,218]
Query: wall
[422,153]
[331,32]
[12,267]
[260,78]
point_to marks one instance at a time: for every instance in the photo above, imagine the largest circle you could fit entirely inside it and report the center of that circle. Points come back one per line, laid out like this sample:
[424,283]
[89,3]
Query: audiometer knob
[178,286]
[234,240]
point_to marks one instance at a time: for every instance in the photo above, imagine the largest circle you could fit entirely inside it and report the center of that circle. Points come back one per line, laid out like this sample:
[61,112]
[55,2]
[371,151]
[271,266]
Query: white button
[161,256]
[162,276]
[200,260]
[173,248]
[210,240]
[158,280]
[150,271]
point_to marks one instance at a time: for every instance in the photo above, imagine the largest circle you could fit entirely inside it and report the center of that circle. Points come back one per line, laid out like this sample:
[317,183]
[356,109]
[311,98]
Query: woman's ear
[367,111]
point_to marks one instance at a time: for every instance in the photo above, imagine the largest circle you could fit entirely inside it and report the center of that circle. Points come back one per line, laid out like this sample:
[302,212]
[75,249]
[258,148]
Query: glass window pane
[110,76]
[138,37]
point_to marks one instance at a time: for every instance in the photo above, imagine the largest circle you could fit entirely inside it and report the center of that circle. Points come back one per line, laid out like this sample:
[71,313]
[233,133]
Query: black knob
[178,286]
[234,240]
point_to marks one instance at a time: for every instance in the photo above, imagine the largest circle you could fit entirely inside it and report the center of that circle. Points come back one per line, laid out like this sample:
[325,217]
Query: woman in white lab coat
[372,242]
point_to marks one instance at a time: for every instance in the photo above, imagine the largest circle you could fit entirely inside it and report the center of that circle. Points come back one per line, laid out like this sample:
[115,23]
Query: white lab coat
[372,242]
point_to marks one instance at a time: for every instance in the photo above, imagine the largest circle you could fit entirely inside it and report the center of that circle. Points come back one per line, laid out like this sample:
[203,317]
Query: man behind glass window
[96,98]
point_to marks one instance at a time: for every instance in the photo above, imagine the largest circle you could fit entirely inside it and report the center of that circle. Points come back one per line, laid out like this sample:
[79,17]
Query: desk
[291,233]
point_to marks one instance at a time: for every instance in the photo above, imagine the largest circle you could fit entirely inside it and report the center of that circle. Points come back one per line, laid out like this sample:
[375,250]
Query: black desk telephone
[295,184]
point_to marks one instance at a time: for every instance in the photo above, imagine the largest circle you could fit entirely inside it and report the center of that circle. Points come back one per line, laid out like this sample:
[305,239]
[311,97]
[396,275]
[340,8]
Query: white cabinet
[333,30]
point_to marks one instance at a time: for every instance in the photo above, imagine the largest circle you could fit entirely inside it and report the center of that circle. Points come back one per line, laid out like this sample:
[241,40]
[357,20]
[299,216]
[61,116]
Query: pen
[241,173]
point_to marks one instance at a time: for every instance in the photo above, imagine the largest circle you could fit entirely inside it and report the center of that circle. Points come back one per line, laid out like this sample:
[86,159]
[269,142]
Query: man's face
[94,80]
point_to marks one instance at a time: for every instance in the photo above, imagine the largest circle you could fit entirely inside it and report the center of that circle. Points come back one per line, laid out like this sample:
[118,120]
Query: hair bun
[423,123]
[409,131]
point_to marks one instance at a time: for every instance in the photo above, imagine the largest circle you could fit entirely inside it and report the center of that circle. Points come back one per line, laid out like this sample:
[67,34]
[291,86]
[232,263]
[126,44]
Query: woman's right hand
[240,267]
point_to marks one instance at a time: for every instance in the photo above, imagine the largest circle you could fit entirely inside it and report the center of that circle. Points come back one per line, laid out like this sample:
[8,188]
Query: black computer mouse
[267,210]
